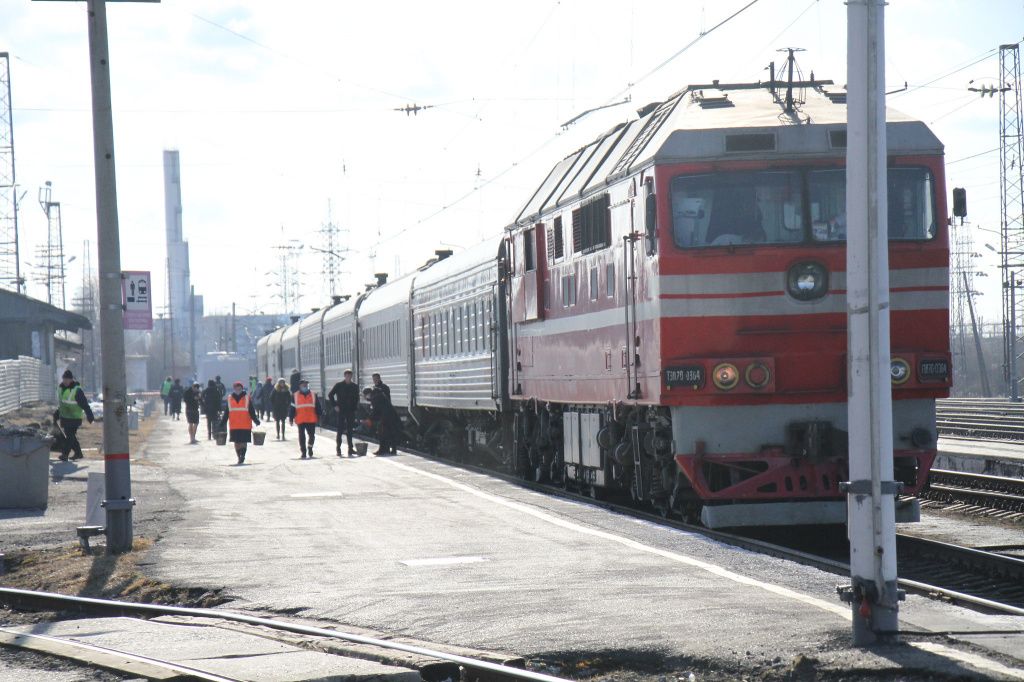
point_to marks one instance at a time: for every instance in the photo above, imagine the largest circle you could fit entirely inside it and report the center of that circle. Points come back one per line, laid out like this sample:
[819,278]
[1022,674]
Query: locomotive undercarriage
[603,449]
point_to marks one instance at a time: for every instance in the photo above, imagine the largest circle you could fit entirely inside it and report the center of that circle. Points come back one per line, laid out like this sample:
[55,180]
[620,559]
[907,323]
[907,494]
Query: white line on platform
[836,609]
[986,664]
[444,561]
[329,493]
[843,611]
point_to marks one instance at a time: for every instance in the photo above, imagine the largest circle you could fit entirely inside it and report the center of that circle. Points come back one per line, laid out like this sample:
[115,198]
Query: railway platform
[990,457]
[409,547]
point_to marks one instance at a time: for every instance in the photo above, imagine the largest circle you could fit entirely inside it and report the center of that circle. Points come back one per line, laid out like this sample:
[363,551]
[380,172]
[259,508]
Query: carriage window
[593,284]
[911,196]
[610,280]
[737,208]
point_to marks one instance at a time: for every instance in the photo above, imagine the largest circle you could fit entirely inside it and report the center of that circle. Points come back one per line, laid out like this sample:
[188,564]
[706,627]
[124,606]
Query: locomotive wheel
[663,507]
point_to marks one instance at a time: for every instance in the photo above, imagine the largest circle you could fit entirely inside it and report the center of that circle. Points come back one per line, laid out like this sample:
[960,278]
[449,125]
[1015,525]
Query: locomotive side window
[911,199]
[559,250]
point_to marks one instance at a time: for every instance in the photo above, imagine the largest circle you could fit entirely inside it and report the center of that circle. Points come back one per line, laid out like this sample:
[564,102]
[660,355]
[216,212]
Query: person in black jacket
[192,397]
[264,404]
[385,420]
[175,395]
[381,386]
[344,397]
[211,407]
[280,402]
[293,380]
[72,406]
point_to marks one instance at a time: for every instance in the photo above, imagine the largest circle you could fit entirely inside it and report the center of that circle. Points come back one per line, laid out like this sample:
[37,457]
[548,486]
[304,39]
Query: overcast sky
[279,109]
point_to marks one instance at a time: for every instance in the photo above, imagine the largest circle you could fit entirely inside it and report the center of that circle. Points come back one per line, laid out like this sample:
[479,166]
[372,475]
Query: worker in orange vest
[239,416]
[305,411]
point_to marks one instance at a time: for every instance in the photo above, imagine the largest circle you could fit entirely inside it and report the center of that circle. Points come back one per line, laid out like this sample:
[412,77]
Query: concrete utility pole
[117,467]
[871,491]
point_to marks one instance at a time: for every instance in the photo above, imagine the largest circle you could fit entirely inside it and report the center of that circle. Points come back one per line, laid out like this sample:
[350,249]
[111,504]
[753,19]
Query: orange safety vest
[305,408]
[238,414]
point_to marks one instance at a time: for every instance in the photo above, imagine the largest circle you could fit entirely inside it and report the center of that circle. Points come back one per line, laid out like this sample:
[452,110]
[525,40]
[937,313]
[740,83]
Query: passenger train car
[666,315]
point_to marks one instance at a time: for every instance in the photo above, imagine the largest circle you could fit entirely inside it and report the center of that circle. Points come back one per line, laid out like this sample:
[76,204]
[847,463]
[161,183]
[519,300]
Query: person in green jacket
[165,392]
[72,406]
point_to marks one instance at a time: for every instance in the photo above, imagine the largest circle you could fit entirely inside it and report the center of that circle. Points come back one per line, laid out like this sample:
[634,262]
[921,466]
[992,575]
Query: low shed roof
[16,307]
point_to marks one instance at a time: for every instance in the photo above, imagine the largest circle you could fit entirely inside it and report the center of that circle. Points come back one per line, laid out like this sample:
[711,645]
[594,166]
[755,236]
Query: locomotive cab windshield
[791,206]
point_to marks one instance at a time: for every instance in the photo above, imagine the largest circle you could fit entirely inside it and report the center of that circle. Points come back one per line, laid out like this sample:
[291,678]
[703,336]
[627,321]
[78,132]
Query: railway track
[984,579]
[977,492]
[436,665]
[980,418]
[106,658]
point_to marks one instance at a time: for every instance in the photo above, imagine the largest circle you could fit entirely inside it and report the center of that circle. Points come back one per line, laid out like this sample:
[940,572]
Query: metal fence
[25,380]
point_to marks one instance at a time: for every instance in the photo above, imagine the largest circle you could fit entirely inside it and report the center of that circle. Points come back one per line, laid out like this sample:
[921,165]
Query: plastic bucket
[361,449]
[258,437]
[222,438]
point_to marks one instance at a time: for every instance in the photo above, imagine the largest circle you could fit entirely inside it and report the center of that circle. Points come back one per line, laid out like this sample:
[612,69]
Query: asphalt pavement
[412,547]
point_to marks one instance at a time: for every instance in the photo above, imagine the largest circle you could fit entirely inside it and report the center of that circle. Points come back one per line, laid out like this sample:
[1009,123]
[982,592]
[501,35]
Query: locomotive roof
[710,122]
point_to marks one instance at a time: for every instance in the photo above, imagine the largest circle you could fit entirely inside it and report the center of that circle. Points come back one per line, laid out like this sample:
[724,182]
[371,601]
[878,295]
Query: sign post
[137,299]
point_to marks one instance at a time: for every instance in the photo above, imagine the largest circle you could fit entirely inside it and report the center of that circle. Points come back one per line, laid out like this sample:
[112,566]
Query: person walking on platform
[211,407]
[72,406]
[305,412]
[239,416]
[257,395]
[381,386]
[220,386]
[192,397]
[280,403]
[345,399]
[265,392]
[175,395]
[293,380]
[165,388]
[385,420]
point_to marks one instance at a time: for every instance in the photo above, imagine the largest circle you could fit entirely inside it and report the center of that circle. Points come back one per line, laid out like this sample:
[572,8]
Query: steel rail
[760,546]
[981,418]
[47,600]
[170,666]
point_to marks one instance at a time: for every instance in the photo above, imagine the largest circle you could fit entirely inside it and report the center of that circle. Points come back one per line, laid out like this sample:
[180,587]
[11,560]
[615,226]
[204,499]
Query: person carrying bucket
[239,416]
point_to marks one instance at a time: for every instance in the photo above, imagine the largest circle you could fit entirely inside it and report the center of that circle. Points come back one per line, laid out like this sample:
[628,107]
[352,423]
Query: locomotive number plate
[685,376]
[933,370]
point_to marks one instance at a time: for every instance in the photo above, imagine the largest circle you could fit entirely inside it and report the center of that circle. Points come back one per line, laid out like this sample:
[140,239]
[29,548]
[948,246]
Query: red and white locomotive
[666,316]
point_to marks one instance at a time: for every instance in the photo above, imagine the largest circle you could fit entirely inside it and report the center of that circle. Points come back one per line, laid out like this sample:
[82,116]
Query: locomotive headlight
[899,370]
[757,375]
[807,281]
[725,376]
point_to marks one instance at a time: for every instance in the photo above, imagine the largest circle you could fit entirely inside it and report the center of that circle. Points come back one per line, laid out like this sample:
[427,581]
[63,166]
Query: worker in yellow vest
[239,416]
[72,406]
[305,411]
